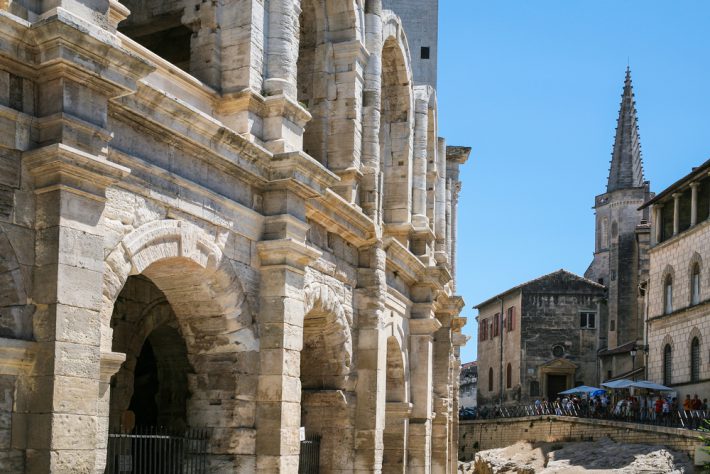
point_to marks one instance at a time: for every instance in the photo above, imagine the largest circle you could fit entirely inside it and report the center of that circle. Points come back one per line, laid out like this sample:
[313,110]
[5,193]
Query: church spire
[626,165]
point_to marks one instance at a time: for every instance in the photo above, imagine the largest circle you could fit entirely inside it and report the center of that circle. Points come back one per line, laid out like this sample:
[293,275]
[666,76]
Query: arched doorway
[325,366]
[191,308]
[396,412]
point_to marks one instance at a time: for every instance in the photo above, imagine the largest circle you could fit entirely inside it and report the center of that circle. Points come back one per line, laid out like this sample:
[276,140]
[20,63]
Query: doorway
[555,384]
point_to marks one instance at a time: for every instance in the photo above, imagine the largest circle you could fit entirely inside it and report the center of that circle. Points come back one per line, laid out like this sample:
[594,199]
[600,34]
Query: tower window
[668,295]
[425,52]
[695,285]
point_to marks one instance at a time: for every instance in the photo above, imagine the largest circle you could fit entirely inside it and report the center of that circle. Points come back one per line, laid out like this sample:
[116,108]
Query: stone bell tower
[622,240]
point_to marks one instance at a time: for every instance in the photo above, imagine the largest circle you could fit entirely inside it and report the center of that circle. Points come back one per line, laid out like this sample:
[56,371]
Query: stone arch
[205,295]
[327,340]
[15,312]
[156,249]
[396,136]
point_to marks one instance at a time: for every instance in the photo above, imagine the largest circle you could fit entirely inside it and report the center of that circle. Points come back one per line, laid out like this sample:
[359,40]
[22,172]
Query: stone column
[458,340]
[281,311]
[371,361]
[282,38]
[440,205]
[421,330]
[694,203]
[442,396]
[372,94]
[421,128]
[676,213]
[657,213]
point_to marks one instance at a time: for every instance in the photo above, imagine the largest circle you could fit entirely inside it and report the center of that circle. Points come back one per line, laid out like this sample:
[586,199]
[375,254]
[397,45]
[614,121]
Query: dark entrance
[555,385]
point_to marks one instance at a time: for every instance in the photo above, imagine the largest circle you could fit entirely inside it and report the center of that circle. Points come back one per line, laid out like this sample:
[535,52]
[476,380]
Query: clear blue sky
[534,88]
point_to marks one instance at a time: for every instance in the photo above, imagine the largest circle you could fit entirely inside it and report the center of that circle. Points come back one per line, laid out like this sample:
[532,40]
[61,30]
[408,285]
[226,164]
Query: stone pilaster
[372,360]
[284,255]
[421,128]
[422,328]
[371,112]
[64,428]
[440,205]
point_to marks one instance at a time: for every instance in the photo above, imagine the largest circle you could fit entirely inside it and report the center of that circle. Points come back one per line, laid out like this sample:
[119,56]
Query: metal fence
[151,450]
[309,459]
[689,419]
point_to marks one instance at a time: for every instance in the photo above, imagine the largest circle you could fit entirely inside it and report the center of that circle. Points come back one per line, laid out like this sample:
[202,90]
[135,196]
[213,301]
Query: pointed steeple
[626,164]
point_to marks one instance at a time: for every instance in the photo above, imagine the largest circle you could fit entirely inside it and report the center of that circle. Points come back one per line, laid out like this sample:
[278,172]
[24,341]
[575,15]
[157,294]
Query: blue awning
[580,389]
[651,386]
[621,383]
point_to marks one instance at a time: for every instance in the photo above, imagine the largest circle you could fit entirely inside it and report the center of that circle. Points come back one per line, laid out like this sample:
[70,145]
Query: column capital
[694,184]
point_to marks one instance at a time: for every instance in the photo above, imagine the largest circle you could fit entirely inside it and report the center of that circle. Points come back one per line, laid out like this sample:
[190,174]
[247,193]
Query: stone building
[539,338]
[621,247]
[236,216]
[678,295]
[468,383]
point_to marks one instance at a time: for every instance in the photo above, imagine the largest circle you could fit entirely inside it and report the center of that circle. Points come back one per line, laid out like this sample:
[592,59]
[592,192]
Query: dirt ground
[602,456]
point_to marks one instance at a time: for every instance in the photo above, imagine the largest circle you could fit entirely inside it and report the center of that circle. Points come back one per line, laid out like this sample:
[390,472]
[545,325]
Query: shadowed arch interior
[395,134]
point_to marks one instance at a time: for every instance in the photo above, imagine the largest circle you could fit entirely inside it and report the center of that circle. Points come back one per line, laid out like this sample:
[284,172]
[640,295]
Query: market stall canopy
[651,386]
[580,389]
[621,383]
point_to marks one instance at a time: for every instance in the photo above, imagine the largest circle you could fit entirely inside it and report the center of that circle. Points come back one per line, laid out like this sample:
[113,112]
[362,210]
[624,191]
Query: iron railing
[152,450]
[690,419]
[309,458]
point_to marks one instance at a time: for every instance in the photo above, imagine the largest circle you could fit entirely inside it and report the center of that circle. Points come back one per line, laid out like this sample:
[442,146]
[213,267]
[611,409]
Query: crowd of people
[620,406]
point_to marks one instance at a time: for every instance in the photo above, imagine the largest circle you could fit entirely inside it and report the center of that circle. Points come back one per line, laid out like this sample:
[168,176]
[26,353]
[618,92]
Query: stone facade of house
[227,215]
[678,294]
[539,338]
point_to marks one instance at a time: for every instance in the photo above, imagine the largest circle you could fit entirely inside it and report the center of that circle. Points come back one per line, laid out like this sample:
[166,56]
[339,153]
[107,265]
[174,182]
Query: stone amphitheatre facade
[246,202]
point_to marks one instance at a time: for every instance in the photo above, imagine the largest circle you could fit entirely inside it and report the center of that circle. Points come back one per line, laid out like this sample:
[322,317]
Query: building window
[484,330]
[425,52]
[496,324]
[695,285]
[511,318]
[667,364]
[695,360]
[534,388]
[508,376]
[587,320]
[490,379]
[668,295]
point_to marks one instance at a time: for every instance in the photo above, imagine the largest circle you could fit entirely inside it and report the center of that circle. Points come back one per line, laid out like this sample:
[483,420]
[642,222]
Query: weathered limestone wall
[488,434]
[164,192]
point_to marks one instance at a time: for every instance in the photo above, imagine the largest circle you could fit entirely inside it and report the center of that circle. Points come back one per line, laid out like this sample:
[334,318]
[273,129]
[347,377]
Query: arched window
[667,364]
[668,295]
[695,360]
[490,379]
[695,285]
[508,376]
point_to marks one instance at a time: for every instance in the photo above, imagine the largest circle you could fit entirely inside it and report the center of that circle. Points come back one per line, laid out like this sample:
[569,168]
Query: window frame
[695,285]
[667,364]
[695,359]
[668,294]
[586,315]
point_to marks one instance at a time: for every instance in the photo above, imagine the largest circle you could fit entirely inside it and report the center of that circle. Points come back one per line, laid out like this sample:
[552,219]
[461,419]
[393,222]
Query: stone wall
[236,203]
[488,434]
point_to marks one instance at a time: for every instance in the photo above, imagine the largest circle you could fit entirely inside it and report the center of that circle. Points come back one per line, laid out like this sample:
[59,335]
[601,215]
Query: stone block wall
[489,434]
